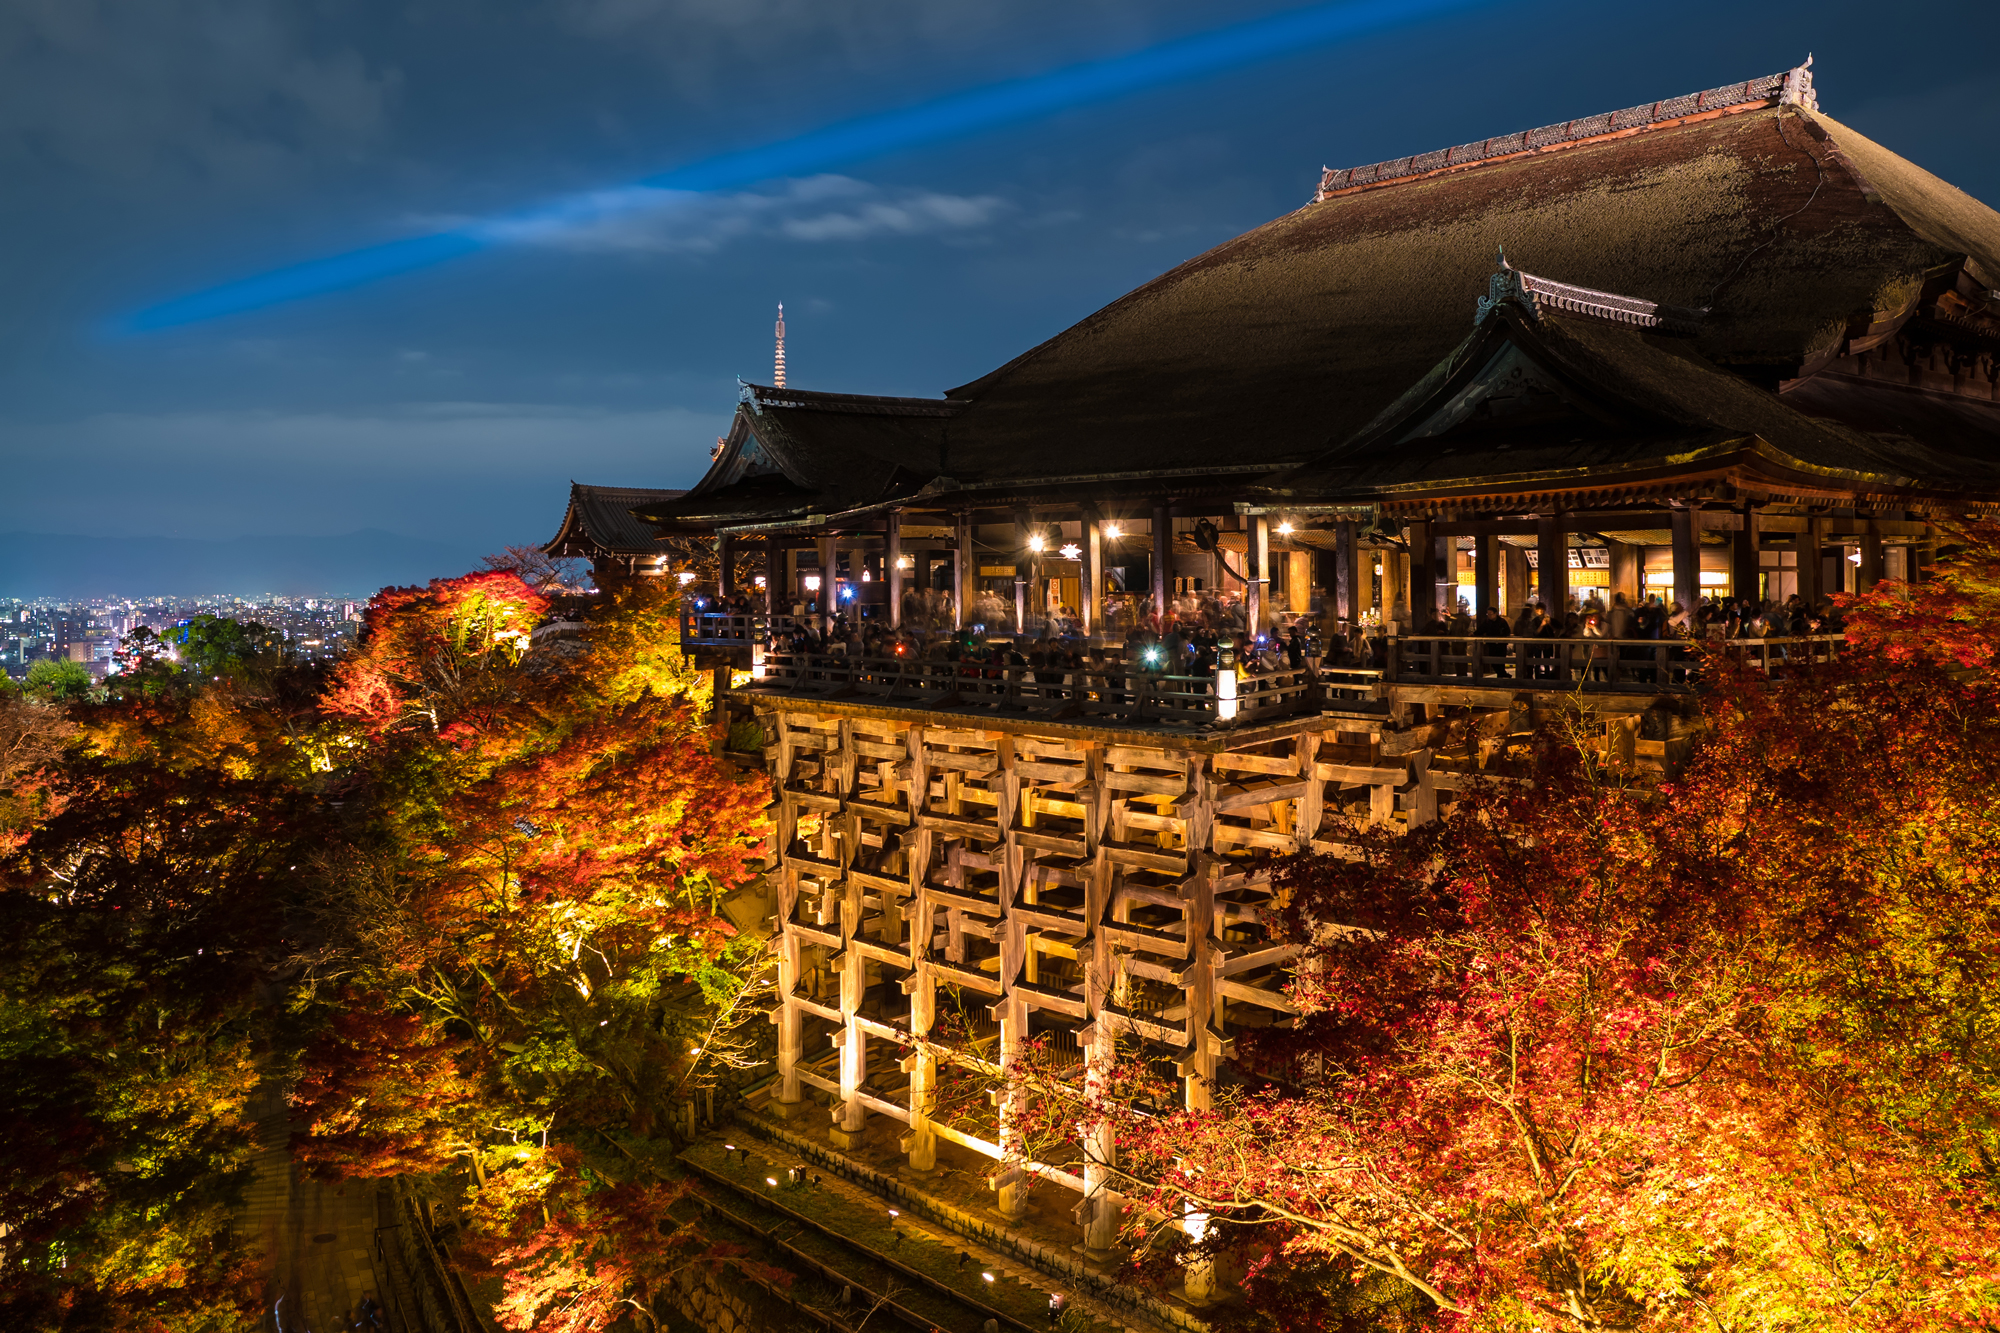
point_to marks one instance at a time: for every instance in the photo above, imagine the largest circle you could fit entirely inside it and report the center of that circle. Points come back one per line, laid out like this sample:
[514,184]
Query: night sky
[157,152]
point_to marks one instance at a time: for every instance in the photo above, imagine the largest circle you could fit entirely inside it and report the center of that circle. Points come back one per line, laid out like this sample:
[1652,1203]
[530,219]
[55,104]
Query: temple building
[1719,345]
[599,526]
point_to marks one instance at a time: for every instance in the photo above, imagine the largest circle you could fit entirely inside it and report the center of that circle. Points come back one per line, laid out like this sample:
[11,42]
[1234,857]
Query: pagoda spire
[778,375]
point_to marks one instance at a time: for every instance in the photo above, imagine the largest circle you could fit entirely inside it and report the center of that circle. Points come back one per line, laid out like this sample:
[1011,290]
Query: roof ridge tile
[1792,86]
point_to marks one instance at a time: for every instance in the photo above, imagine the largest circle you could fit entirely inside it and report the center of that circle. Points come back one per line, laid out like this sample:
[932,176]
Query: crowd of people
[1203,631]
[1651,617]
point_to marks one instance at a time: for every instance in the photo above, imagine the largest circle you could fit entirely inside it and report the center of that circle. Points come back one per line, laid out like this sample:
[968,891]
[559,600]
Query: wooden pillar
[787,1016]
[1364,577]
[849,1117]
[1810,543]
[1423,573]
[725,552]
[1163,558]
[1871,572]
[1093,572]
[961,575]
[1552,561]
[774,574]
[1923,551]
[1628,568]
[1257,569]
[1023,569]
[1746,563]
[1100,1145]
[1198,1094]
[829,579]
[1346,601]
[1395,586]
[1514,569]
[1687,558]
[892,566]
[1486,571]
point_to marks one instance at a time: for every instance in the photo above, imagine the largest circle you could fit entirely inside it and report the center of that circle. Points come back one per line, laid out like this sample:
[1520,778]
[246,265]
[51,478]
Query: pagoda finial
[778,375]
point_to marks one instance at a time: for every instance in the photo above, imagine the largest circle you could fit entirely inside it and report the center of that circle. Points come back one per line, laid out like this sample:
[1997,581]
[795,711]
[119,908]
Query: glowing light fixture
[1036,541]
[812,583]
[686,576]
[1284,529]
[1854,557]
[1112,532]
[1071,551]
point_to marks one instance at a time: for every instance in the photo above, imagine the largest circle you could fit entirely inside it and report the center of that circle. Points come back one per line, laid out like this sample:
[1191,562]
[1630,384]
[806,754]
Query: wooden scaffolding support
[1091,882]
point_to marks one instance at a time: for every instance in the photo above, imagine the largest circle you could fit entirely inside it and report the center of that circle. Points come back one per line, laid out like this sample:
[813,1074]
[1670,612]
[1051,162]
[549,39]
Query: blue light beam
[951,116]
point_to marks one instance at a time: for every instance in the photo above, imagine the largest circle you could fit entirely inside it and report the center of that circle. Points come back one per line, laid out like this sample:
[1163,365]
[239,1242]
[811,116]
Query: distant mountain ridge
[352,564]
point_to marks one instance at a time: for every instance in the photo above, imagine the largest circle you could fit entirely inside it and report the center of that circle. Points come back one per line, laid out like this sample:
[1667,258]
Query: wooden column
[1552,561]
[1346,602]
[1198,1093]
[1486,571]
[1364,577]
[829,579]
[1100,1145]
[725,552]
[1746,560]
[774,574]
[1257,569]
[1395,586]
[1514,571]
[849,1116]
[1687,558]
[1870,572]
[1809,544]
[787,1016]
[961,575]
[1093,572]
[1628,569]
[892,566]
[1423,573]
[1023,569]
[1163,558]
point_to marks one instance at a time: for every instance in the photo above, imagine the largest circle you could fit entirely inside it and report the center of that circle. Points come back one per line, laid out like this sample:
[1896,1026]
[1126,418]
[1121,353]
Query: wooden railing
[1115,692]
[1630,664]
[729,629]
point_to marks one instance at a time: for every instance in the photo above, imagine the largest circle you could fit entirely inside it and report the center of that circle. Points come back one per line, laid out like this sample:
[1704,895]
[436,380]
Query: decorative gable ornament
[1535,294]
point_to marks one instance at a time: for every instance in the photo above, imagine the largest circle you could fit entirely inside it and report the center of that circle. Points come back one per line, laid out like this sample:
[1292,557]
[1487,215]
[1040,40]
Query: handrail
[730,627]
[1113,691]
[1646,664]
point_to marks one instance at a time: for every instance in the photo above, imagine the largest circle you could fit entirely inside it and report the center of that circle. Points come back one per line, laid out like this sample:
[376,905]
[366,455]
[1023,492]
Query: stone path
[317,1241]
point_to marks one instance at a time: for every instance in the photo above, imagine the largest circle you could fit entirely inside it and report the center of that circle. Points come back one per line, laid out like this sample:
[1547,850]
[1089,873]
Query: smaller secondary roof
[600,522]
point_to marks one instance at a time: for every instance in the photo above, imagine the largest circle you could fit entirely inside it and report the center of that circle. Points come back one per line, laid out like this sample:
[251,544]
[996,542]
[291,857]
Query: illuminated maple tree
[1593,1054]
